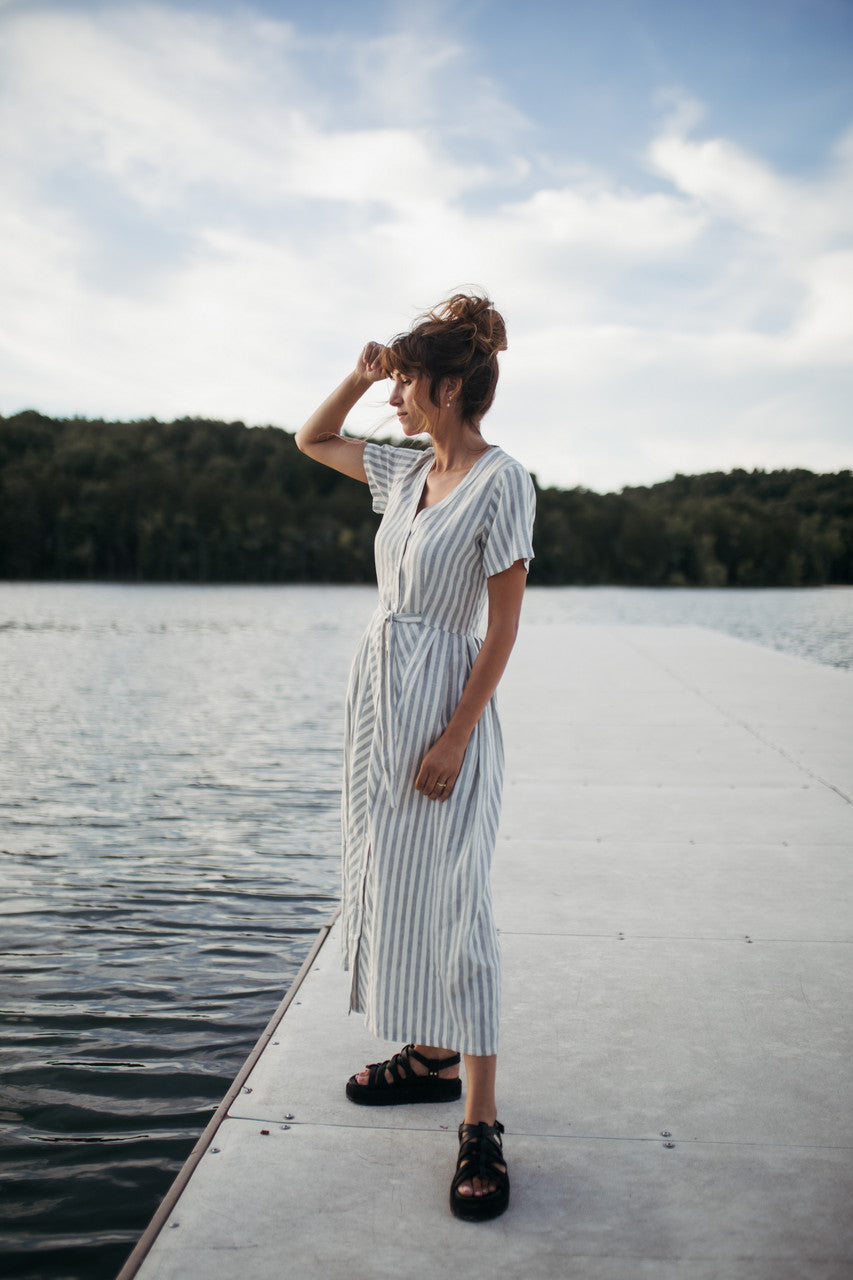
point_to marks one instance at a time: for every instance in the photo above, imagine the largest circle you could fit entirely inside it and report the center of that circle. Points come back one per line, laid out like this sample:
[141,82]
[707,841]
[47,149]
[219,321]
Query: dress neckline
[475,466]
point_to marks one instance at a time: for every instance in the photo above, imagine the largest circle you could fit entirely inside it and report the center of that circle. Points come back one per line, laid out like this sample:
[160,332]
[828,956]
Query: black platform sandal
[480,1156]
[405,1084]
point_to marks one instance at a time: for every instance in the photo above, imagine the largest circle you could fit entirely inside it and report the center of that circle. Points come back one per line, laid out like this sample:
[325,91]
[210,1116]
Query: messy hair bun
[473,317]
[460,338]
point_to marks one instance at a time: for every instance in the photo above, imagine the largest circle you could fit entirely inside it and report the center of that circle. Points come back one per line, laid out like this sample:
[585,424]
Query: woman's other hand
[440,767]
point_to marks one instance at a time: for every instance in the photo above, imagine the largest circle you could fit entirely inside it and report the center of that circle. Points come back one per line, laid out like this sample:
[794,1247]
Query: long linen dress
[418,932]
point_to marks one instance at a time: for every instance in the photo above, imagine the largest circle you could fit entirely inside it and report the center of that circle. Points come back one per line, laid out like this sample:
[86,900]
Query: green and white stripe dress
[418,932]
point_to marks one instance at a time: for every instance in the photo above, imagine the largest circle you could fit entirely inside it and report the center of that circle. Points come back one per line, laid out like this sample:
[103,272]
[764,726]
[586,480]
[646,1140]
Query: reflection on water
[168,849]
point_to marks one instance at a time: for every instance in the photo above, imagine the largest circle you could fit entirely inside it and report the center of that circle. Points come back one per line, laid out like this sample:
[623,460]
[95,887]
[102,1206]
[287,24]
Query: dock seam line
[562,1137]
[733,719]
[679,937]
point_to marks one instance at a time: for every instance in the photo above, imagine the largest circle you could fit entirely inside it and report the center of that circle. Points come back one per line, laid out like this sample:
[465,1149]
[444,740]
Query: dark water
[169,832]
[169,765]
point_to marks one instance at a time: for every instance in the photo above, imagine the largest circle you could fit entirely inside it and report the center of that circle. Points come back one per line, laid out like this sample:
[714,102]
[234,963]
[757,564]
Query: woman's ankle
[481,1115]
[434,1053]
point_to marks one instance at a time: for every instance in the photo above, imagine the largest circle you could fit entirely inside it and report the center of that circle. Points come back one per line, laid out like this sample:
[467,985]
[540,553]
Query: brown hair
[461,339]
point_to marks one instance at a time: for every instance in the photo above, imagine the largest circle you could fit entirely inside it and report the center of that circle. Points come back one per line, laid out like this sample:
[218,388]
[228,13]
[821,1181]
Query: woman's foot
[477,1186]
[480,1187]
[410,1076]
[415,1054]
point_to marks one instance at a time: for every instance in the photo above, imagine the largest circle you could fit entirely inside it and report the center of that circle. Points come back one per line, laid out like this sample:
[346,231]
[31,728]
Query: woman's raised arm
[321,436]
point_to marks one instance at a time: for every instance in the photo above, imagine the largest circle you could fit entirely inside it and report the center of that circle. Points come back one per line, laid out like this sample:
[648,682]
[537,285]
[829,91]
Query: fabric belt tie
[391,618]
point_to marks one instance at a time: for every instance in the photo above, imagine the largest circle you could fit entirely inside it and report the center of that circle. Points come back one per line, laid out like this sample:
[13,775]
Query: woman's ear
[450,389]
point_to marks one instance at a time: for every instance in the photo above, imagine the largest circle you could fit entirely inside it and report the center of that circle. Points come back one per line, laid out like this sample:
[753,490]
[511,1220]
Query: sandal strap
[400,1068]
[491,1131]
[480,1154]
[433,1065]
[376,1078]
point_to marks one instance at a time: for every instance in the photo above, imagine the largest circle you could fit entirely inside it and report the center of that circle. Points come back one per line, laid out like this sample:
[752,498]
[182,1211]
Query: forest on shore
[203,501]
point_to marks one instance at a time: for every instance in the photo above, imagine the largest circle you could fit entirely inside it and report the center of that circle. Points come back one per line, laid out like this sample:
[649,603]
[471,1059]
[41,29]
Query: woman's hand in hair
[369,364]
[320,438]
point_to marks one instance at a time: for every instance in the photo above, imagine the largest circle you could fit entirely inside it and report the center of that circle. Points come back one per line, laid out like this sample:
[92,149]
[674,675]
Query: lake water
[169,761]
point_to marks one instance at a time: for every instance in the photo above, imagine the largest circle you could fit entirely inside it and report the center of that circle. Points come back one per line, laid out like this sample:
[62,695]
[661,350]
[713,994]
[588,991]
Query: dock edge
[146,1240]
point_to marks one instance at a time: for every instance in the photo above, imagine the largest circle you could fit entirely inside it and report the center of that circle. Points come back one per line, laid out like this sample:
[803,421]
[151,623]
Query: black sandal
[405,1084]
[480,1156]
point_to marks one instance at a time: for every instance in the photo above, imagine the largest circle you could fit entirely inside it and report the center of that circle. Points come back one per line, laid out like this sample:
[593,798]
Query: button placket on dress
[383,645]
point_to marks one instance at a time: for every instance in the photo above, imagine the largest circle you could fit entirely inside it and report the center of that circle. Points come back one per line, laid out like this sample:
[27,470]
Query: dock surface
[672,886]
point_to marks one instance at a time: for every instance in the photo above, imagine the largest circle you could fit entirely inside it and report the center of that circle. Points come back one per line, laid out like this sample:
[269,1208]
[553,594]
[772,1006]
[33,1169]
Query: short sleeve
[510,534]
[385,464]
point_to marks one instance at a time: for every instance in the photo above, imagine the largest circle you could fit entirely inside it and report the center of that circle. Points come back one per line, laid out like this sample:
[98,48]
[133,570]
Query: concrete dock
[672,887]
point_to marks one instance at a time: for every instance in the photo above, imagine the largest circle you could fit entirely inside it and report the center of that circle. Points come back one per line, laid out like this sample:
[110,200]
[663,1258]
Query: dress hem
[395,1034]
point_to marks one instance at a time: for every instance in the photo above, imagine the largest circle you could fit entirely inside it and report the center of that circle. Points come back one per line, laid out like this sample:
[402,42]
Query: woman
[423,768]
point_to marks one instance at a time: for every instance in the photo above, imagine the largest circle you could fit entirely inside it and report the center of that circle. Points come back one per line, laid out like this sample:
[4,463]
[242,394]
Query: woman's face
[410,398]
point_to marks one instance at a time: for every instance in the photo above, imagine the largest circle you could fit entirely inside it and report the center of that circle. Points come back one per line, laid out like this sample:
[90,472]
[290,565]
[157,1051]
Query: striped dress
[418,933]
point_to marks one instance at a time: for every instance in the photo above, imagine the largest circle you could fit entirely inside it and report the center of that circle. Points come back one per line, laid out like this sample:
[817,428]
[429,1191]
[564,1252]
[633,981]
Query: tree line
[202,501]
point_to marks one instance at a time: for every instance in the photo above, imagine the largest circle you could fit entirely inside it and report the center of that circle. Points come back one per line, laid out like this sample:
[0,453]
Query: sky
[208,207]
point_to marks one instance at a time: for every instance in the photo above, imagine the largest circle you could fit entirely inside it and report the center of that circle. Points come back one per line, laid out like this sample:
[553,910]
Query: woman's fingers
[440,768]
[369,359]
[435,786]
[442,788]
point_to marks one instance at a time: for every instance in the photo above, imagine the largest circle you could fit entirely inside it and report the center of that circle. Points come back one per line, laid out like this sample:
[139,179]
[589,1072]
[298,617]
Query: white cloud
[209,215]
[731,185]
[823,330]
[790,238]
